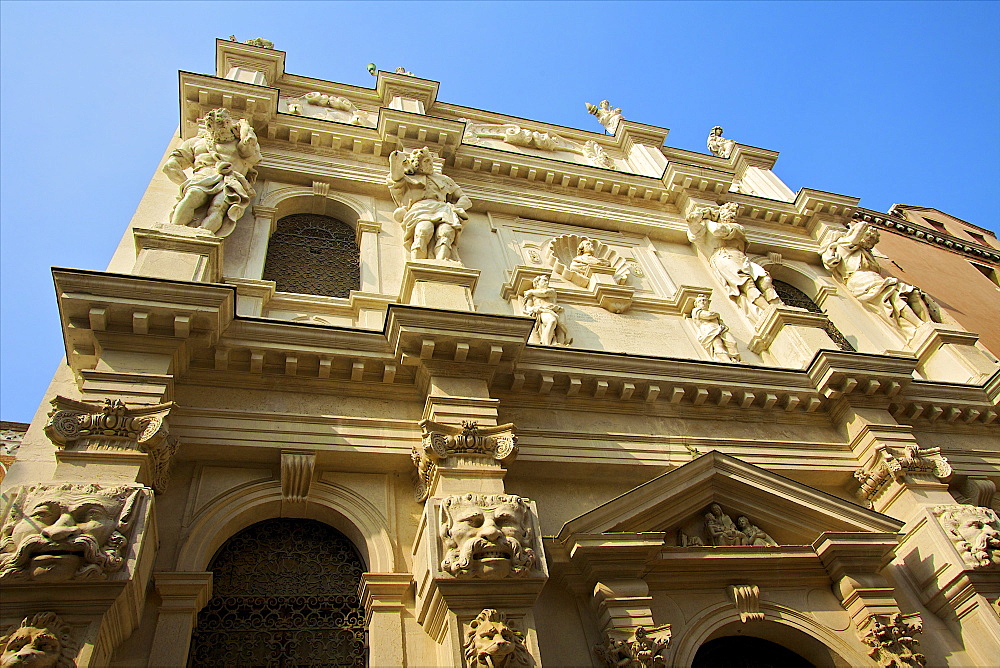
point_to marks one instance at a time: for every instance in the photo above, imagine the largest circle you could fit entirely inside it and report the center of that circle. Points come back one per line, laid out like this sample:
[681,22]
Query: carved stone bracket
[643,649]
[974,531]
[296,474]
[469,443]
[891,465]
[747,600]
[80,427]
[893,640]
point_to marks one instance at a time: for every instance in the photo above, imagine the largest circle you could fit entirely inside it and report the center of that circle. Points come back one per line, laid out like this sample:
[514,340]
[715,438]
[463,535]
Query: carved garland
[440,441]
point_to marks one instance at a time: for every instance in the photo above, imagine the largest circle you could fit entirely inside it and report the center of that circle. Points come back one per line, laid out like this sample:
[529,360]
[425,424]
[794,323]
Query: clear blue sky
[886,101]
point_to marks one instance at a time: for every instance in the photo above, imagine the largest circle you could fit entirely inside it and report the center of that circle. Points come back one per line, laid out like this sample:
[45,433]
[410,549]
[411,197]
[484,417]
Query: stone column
[367,239]
[382,595]
[264,222]
[183,595]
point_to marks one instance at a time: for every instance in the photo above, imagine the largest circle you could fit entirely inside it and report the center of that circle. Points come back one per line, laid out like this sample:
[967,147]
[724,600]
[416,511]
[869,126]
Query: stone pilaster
[384,598]
[182,596]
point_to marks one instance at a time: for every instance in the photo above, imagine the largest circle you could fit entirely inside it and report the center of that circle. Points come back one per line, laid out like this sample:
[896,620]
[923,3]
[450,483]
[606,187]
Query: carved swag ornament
[974,531]
[487,536]
[55,533]
[40,641]
[892,642]
[891,466]
[492,643]
[441,441]
[74,425]
[643,650]
[515,135]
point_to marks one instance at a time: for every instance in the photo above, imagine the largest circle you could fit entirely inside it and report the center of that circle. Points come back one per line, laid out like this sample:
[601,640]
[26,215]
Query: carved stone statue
[606,116]
[893,642]
[65,532]
[403,70]
[314,105]
[586,259]
[256,41]
[713,334]
[491,643]
[431,207]
[718,145]
[643,650]
[975,532]
[721,529]
[754,534]
[222,159]
[487,536]
[746,282]
[849,257]
[40,641]
[540,302]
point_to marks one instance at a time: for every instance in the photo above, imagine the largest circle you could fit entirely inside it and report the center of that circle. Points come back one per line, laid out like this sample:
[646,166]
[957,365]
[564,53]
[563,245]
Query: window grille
[284,593]
[313,255]
[792,296]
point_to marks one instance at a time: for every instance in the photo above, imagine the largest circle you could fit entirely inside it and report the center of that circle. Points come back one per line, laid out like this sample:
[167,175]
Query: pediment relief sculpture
[222,159]
[719,145]
[725,241]
[850,257]
[43,640]
[975,531]
[644,649]
[487,536]
[515,135]
[430,206]
[540,302]
[56,533]
[439,442]
[74,425]
[326,107]
[718,529]
[491,642]
[893,641]
[606,116]
[895,464]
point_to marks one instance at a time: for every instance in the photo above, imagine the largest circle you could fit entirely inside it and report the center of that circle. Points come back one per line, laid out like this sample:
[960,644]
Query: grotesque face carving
[490,642]
[58,533]
[42,641]
[221,127]
[486,536]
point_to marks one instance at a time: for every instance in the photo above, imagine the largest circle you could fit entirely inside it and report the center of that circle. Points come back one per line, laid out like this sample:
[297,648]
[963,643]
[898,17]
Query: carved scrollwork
[440,441]
[643,650]
[893,465]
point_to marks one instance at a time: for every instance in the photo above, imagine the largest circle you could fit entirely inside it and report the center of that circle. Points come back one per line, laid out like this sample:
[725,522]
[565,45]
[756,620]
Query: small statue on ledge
[606,116]
[718,145]
[713,334]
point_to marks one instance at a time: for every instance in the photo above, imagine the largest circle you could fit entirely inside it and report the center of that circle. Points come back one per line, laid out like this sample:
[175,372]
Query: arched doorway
[746,652]
[284,593]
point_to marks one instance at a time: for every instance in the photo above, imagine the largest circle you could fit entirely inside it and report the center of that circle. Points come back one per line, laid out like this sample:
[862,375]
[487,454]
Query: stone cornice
[918,233]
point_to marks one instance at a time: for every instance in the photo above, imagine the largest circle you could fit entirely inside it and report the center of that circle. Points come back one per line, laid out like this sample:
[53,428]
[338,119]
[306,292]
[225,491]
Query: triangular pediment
[677,501]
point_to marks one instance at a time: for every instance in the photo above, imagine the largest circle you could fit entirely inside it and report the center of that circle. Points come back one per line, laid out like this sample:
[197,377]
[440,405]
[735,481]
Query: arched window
[313,255]
[792,296]
[284,593]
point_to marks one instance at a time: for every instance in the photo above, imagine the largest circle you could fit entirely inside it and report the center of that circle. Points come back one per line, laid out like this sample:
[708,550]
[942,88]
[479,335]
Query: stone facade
[563,415]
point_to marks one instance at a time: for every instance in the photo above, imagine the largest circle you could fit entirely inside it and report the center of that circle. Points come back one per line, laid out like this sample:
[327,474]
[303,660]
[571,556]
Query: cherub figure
[606,116]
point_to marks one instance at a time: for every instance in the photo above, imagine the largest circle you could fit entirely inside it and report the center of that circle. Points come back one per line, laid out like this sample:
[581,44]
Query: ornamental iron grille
[792,296]
[284,593]
[311,254]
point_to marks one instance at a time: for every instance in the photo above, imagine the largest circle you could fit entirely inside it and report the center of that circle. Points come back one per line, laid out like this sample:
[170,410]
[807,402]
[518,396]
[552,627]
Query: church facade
[377,379]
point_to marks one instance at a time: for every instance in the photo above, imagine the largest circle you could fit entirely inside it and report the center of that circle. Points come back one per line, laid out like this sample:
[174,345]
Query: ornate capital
[440,441]
[643,650]
[892,641]
[73,425]
[893,465]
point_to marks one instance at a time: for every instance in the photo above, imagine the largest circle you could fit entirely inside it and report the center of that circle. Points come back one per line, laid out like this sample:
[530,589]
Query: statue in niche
[66,532]
[586,259]
[540,302]
[713,334]
[606,116]
[754,534]
[718,145]
[974,530]
[431,207]
[491,643]
[487,536]
[721,529]
[222,159]
[850,258]
[40,641]
[746,282]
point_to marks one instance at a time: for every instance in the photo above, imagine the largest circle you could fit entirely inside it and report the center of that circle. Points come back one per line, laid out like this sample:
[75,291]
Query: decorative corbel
[747,600]
[441,441]
[80,427]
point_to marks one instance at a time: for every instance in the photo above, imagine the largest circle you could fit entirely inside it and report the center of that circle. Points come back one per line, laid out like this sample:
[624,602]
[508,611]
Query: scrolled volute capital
[644,649]
[897,464]
[440,441]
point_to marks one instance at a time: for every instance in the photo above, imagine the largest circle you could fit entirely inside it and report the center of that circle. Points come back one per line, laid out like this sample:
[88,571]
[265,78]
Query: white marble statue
[256,41]
[403,70]
[431,207]
[222,158]
[849,257]
[745,282]
[540,302]
[606,116]
[713,334]
[719,145]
